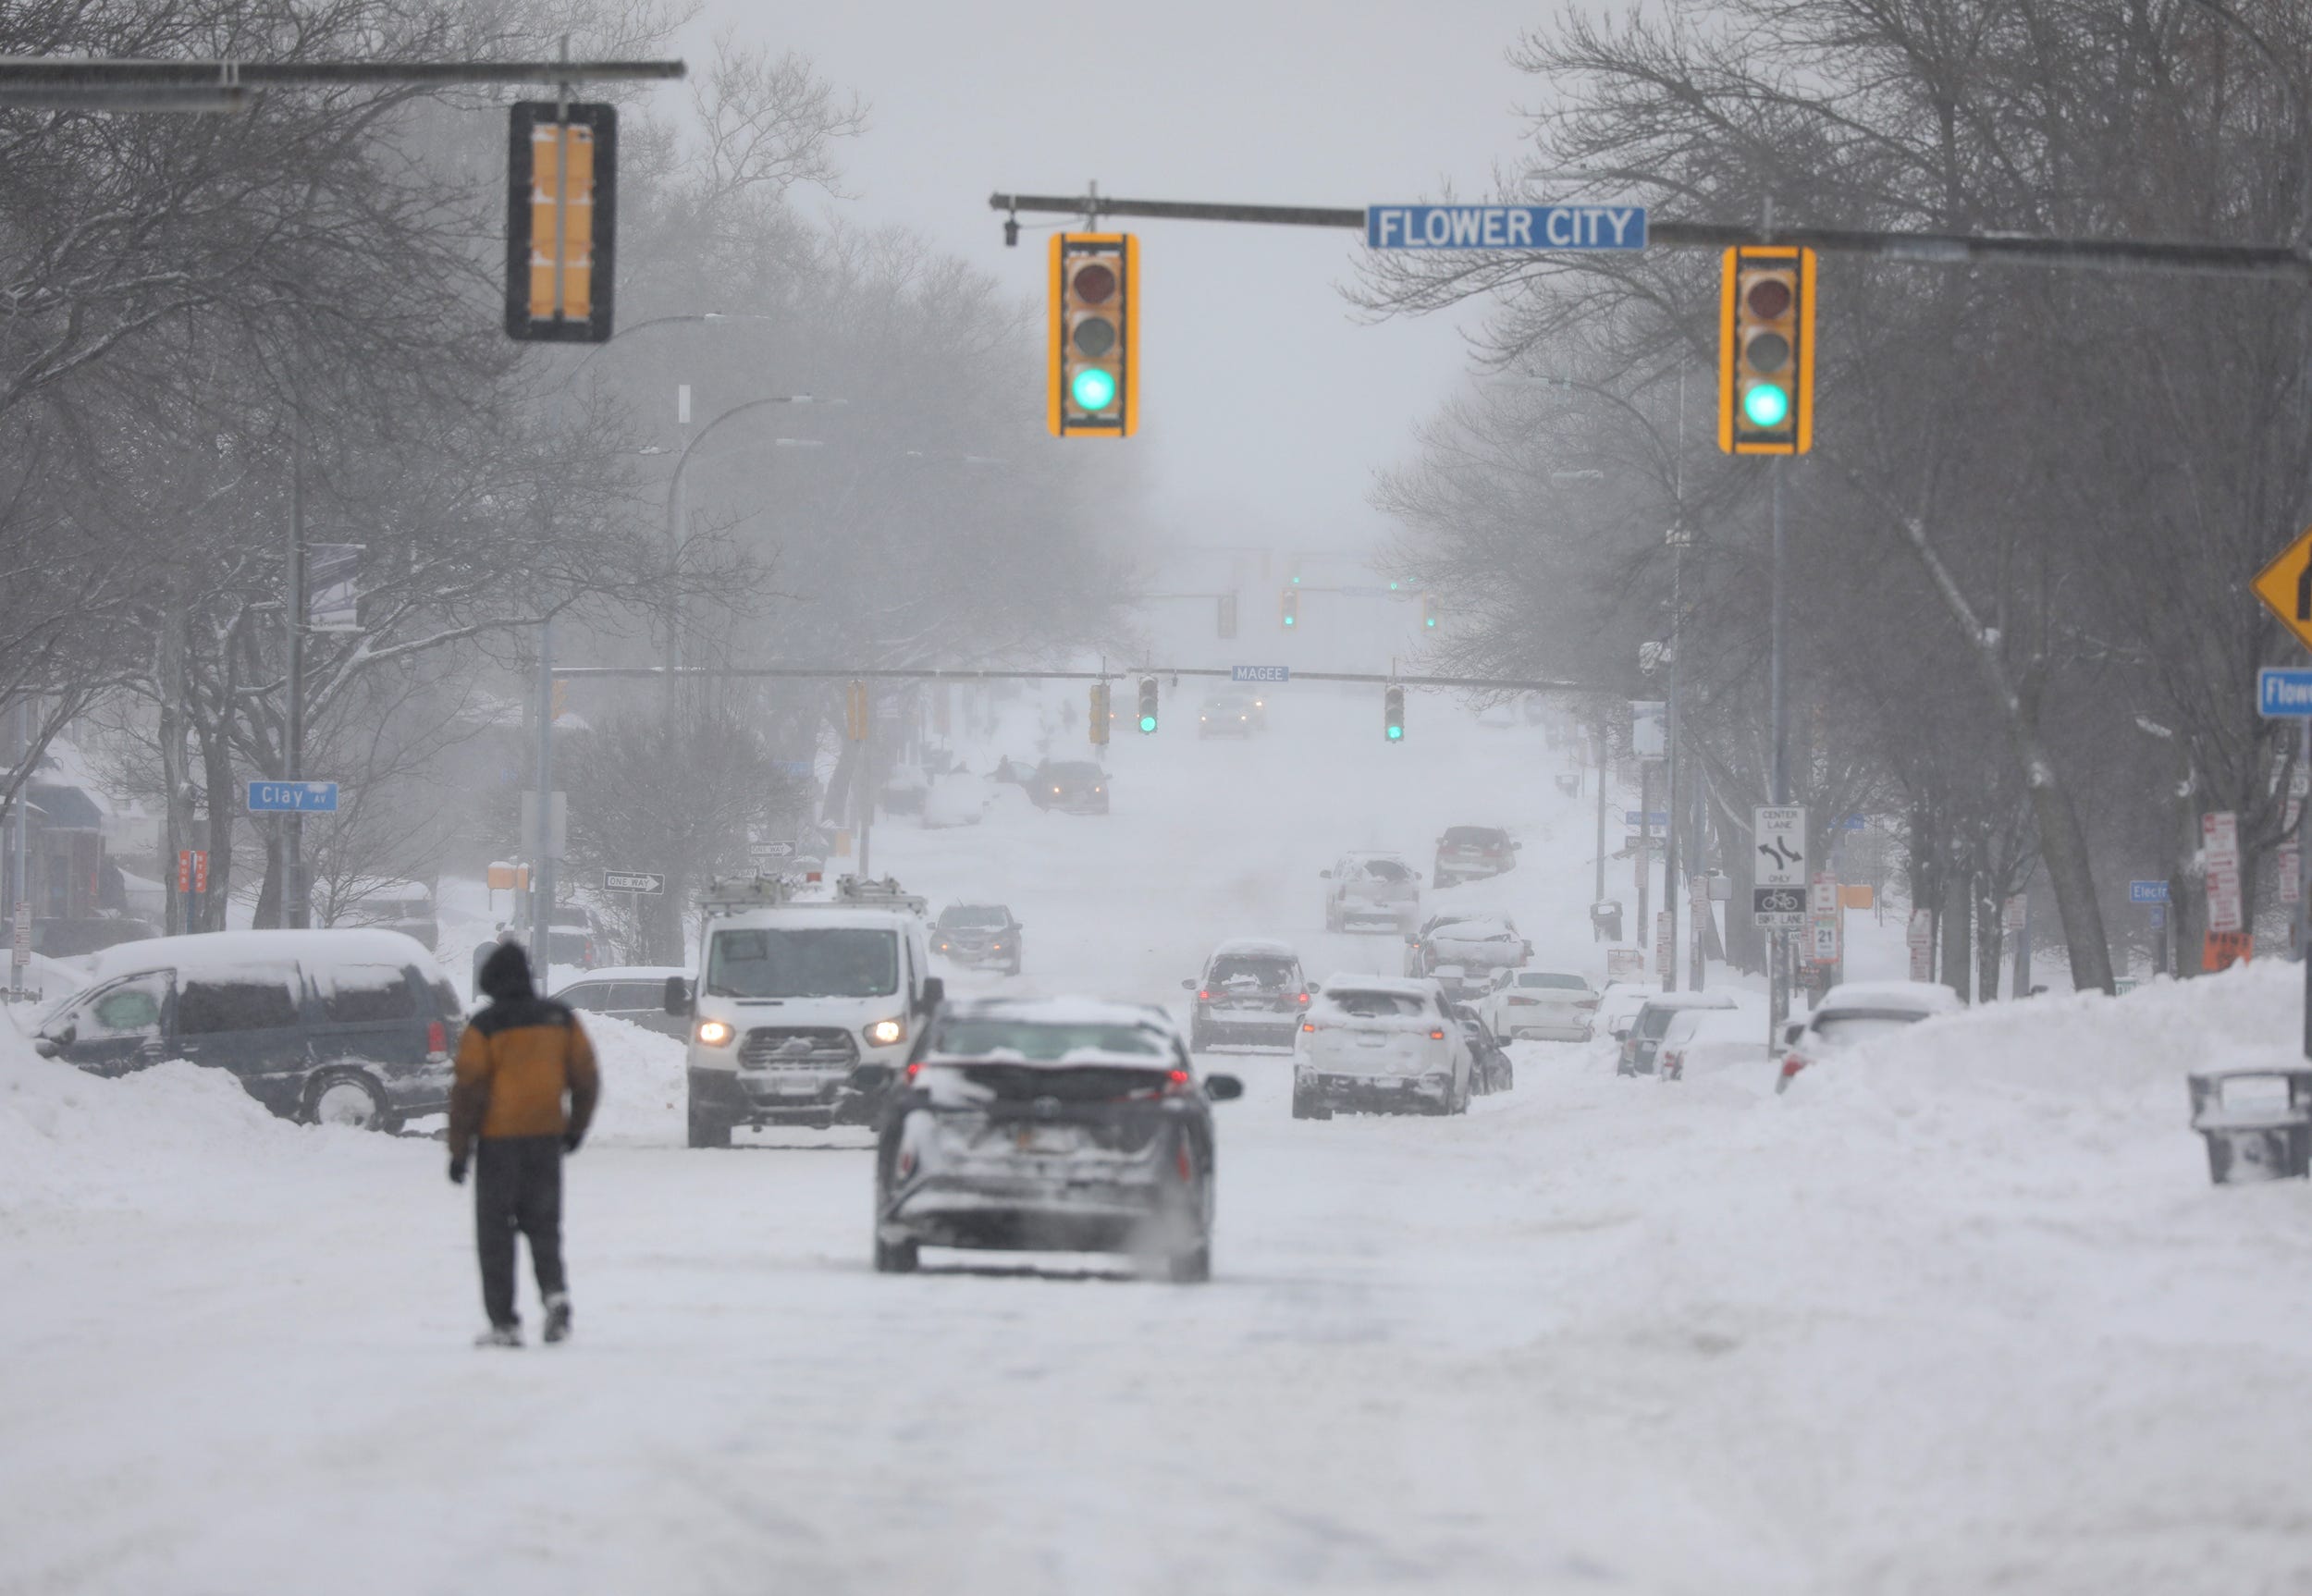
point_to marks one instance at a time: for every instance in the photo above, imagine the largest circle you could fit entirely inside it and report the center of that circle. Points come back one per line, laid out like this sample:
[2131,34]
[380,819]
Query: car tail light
[1204,996]
[1307,1025]
[1304,999]
[1181,1161]
[995,947]
[438,1039]
[1437,1035]
[914,1069]
[1791,1065]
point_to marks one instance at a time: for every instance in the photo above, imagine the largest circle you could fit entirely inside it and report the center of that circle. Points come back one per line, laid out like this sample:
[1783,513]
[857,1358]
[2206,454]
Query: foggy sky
[1266,405]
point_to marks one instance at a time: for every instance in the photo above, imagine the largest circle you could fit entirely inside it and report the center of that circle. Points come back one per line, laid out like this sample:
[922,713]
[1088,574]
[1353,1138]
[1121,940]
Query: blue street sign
[2282,694]
[1505,227]
[292,797]
[2158,916]
[1658,818]
[2146,891]
[1853,823]
[1259,673]
[797,768]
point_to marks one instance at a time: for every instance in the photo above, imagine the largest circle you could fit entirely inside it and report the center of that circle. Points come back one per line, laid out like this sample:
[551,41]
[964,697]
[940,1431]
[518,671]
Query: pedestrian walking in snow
[524,1092]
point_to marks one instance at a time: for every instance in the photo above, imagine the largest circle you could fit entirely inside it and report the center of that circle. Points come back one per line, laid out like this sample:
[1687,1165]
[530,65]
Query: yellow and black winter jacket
[517,1062]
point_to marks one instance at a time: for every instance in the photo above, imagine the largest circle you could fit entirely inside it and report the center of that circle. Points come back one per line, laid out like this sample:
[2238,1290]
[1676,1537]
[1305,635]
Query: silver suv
[1378,892]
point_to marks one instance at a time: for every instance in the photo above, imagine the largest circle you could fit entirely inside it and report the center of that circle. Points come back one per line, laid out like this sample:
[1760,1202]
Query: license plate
[1044,1139]
[791,1086]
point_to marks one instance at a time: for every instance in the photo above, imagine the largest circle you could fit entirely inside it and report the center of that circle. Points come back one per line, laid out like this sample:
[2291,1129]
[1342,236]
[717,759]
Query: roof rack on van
[737,894]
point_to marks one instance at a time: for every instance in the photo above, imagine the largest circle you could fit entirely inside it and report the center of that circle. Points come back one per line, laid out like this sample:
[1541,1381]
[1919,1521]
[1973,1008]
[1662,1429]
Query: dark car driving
[1252,994]
[1049,1125]
[1471,853]
[1071,786]
[983,936]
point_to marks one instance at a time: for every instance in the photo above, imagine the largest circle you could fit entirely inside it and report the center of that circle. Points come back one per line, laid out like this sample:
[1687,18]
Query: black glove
[457,1171]
[570,1140]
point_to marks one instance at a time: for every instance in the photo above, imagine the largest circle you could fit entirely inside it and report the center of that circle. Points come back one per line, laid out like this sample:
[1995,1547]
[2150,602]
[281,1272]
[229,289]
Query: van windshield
[803,962]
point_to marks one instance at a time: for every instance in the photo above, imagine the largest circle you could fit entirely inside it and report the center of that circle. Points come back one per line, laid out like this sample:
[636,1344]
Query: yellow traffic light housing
[1766,351]
[1094,363]
[1099,712]
[562,221]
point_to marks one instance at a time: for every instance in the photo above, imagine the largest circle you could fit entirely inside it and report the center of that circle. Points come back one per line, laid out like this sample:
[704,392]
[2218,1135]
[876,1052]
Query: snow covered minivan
[353,1027]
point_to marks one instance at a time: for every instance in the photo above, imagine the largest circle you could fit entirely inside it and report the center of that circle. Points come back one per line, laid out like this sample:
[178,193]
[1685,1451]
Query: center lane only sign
[1505,226]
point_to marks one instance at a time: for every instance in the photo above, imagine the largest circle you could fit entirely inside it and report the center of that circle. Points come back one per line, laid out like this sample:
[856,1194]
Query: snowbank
[162,1139]
[643,1087]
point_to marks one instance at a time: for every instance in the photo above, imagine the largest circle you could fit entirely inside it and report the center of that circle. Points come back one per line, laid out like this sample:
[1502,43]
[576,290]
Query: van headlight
[887,1033]
[713,1032]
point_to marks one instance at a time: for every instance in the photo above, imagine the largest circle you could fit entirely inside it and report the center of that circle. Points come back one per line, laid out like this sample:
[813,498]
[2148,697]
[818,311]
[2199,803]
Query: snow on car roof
[627,972]
[228,950]
[1254,948]
[1904,997]
[1690,1000]
[1060,1011]
[1716,1025]
[1483,927]
[1359,981]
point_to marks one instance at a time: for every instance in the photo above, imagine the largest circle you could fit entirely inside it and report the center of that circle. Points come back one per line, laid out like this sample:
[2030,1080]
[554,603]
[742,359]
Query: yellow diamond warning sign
[2285,586]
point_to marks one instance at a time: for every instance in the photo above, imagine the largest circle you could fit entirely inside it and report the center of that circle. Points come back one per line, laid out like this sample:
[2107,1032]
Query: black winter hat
[506,975]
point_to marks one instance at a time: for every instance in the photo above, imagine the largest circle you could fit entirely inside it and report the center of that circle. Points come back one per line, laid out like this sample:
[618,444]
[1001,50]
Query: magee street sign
[1505,227]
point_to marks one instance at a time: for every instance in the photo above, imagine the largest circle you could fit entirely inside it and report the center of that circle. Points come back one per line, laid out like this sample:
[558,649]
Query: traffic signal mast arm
[2169,255]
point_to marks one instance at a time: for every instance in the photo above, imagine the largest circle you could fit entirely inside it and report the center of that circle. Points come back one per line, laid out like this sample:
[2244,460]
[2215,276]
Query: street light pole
[1777,751]
[296,907]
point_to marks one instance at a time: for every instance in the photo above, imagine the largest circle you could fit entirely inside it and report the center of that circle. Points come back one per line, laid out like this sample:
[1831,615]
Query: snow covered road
[1972,1319]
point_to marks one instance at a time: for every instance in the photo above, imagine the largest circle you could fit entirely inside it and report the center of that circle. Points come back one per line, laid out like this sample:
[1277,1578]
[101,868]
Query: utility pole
[1645,852]
[1598,896]
[296,907]
[542,854]
[21,879]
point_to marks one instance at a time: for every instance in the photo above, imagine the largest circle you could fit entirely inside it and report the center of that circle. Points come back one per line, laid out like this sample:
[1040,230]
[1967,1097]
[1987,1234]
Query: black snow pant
[517,1186]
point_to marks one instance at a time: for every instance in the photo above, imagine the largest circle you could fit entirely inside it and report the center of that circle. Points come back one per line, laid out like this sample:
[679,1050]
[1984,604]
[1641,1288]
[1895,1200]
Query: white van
[794,992]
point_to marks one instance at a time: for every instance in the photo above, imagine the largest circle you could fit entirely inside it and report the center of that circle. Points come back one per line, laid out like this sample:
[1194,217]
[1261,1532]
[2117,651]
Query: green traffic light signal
[1396,733]
[1147,723]
[1767,405]
[1094,389]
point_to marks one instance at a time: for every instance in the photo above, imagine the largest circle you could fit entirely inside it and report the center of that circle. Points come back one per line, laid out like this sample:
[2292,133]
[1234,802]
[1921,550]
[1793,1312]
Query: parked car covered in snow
[1480,943]
[1489,1069]
[1047,1124]
[958,798]
[1372,889]
[1554,1005]
[352,1028]
[1705,1041]
[1379,1044]
[1857,1011]
[1646,1031]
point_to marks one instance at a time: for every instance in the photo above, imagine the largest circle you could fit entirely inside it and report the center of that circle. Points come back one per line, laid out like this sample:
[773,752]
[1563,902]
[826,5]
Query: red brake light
[1437,1035]
[437,1038]
[1203,997]
[1303,996]
[914,1070]
[1179,1077]
[1307,1025]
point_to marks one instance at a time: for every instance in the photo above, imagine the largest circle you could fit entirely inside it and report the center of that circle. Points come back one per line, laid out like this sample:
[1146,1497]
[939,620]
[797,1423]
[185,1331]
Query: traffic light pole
[1778,742]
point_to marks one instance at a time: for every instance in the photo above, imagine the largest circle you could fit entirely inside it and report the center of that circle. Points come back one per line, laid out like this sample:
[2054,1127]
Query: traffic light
[1099,712]
[1288,608]
[1148,704]
[1429,610]
[1393,714]
[855,711]
[1094,387]
[1766,351]
[1228,615]
[562,221]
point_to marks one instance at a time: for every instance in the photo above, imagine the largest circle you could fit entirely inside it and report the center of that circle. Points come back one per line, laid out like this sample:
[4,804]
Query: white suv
[1382,1044]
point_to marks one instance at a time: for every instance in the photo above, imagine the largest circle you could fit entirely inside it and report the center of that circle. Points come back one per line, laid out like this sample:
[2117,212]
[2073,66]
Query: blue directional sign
[2282,694]
[1259,673]
[2146,891]
[1505,227]
[292,797]
[1656,817]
